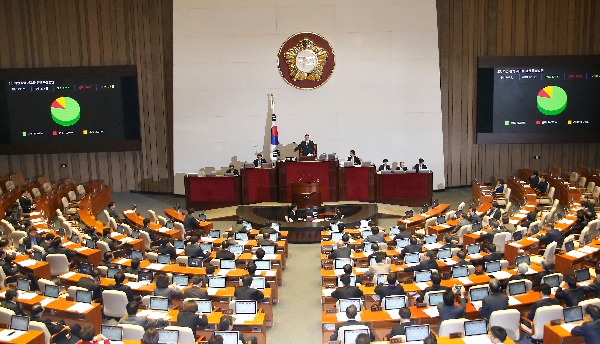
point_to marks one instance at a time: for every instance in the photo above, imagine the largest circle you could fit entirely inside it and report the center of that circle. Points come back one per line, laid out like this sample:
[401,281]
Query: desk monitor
[113,333]
[444,253]
[263,264]
[493,266]
[204,306]
[229,337]
[274,236]
[339,263]
[170,225]
[241,236]
[572,314]
[269,249]
[258,282]
[236,249]
[179,244]
[38,255]
[164,259]
[459,271]
[352,281]
[423,170]
[214,233]
[478,294]
[402,243]
[211,174]
[245,307]
[435,203]
[159,303]
[441,220]
[582,275]
[394,302]
[365,163]
[246,224]
[84,296]
[435,298]
[366,233]
[473,249]
[344,303]
[110,273]
[523,259]
[181,280]
[227,264]
[23,285]
[216,282]
[411,258]
[381,278]
[423,276]
[228,174]
[551,280]
[475,327]
[195,262]
[167,336]
[91,244]
[206,247]
[587,239]
[394,230]
[145,276]
[569,246]
[135,234]
[430,239]
[19,322]
[85,268]
[348,163]
[51,291]
[416,332]
[336,236]
[424,208]
[350,335]
[517,288]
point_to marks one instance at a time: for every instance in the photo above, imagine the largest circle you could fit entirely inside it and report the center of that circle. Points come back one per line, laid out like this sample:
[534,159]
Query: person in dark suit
[403,234]
[193,249]
[589,329]
[164,289]
[420,166]
[342,250]
[494,212]
[233,170]
[195,291]
[187,317]
[167,248]
[108,260]
[428,262]
[54,327]
[595,285]
[112,211]
[448,310]
[493,302]
[92,284]
[352,157]
[375,236]
[405,320]
[499,188]
[10,301]
[401,167]
[346,291]
[545,291]
[224,253]
[55,248]
[384,166]
[119,279]
[351,313]
[520,275]
[245,292]
[461,256]
[226,324]
[534,179]
[391,288]
[548,269]
[491,256]
[190,222]
[462,222]
[134,268]
[26,202]
[542,186]
[307,146]
[32,238]
[133,319]
[413,247]
[497,335]
[436,280]
[112,244]
[573,295]
[259,160]
[552,234]
[293,215]
[529,219]
[450,242]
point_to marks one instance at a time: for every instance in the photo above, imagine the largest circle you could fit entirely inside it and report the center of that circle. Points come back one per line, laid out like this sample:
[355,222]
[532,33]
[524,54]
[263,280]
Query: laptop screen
[37,255]
[90,244]
[523,259]
[245,307]
[145,275]
[409,213]
[229,337]
[137,255]
[110,273]
[582,275]
[269,249]
[444,253]
[263,264]
[195,261]
[441,220]
[459,271]
[366,233]
[337,236]
[216,282]
[181,280]
[206,247]
[491,267]
[352,281]
[236,249]
[394,302]
[350,335]
[159,303]
[22,248]
[241,236]
[344,303]
[430,239]
[416,332]
[204,306]
[340,262]
[475,327]
[274,236]
[573,314]
[517,288]
[435,298]
[120,229]
[402,243]
[473,249]
[228,264]
[423,276]
[179,244]
[51,291]
[394,230]
[112,332]
[552,280]
[23,285]
[135,234]
[381,278]
[569,246]
[83,296]
[19,322]
[214,233]
[164,259]
[258,282]
[410,258]
[85,268]
[170,225]
[167,336]
[478,294]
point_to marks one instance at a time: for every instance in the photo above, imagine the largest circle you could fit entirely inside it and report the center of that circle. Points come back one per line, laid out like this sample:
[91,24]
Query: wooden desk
[357,183]
[29,337]
[259,185]
[137,220]
[39,269]
[95,202]
[325,171]
[411,189]
[212,192]
[481,193]
[255,327]
[565,261]
[179,216]
[556,334]
[419,219]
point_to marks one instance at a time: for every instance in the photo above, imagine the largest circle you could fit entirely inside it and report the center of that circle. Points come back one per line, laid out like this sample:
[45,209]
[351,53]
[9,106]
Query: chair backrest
[106,217]
[152,215]
[127,229]
[65,202]
[102,246]
[450,215]
[2,279]
[114,302]
[7,227]
[162,220]
[36,192]
[186,336]
[593,226]
[112,223]
[550,252]
[534,224]
[585,231]
[72,196]
[10,185]
[567,239]
[509,320]
[68,229]
[47,188]
[596,192]
[573,177]
[40,326]
[430,222]
[582,181]
[42,283]
[560,276]
[508,209]
[349,327]
[551,193]
[584,303]
[179,226]
[181,260]
[5,315]
[59,264]
[461,206]
[132,332]
[16,236]
[543,316]
[462,231]
[500,240]
[146,238]
[81,190]
[451,326]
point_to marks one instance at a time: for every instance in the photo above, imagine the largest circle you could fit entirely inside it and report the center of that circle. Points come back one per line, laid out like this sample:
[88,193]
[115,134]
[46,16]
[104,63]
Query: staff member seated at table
[10,269]
[259,160]
[245,292]
[146,228]
[119,286]
[351,313]
[10,301]
[352,157]
[573,295]
[224,253]
[448,310]
[193,249]
[92,284]
[450,242]
[420,166]
[342,250]
[347,291]
[107,260]
[461,256]
[413,247]
[499,188]
[497,335]
[405,320]
[391,288]
[88,336]
[190,222]
[493,302]
[552,234]
[428,262]
[589,329]
[403,233]
[187,317]
[133,319]
[545,291]
[112,211]
[494,212]
[164,289]
[112,245]
[534,179]
[232,170]
[195,291]
[384,166]
[401,167]
[54,327]
[293,215]
[436,280]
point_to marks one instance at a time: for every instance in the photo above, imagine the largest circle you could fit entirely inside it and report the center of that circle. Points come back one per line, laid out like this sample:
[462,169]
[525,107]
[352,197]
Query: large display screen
[69,110]
[538,99]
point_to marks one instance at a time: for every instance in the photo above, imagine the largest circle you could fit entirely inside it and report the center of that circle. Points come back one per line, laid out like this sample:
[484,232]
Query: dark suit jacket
[541,303]
[571,296]
[355,161]
[533,181]
[91,285]
[402,168]
[52,328]
[307,148]
[384,167]
[412,249]
[13,307]
[27,241]
[542,187]
[195,293]
[25,204]
[190,222]
[491,303]
[350,322]
[589,330]
[194,250]
[348,292]
[247,293]
[224,254]
[191,320]
[553,235]
[494,213]
[431,264]
[421,298]
[403,235]
[451,312]
[387,290]
[112,213]
[340,252]
[124,288]
[594,286]
[376,238]
[293,216]
[262,161]
[167,250]
[399,330]
[420,167]
[537,280]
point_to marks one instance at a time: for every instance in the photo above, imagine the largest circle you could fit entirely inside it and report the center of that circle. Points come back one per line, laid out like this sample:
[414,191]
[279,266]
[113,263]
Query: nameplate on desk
[369,285]
[375,308]
[455,335]
[555,322]
[228,311]
[421,305]
[330,311]
[328,268]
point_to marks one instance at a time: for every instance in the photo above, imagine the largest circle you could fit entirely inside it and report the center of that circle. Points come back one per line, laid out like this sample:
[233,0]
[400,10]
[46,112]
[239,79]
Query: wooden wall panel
[472,28]
[66,33]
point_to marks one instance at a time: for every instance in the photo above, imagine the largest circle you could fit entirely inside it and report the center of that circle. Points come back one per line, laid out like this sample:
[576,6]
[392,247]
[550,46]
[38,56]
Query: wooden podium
[306,195]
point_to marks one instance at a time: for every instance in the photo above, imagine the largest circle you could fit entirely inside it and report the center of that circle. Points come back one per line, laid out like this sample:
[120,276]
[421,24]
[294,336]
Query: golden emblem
[306,60]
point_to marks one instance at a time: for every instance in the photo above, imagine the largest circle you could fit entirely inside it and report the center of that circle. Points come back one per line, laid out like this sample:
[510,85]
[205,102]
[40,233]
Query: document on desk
[80,307]
[341,317]
[27,296]
[479,339]
[207,239]
[475,256]
[501,274]
[128,211]
[114,234]
[223,272]
[28,262]
[588,249]
[270,273]
[212,291]
[576,254]
[163,229]
[80,249]
[432,312]
[239,319]
[513,302]
[122,261]
[533,239]
[137,285]
[327,292]
[10,335]
[422,285]
[515,244]
[393,313]
[465,280]
[360,270]
[155,266]
[67,244]
[158,315]
[569,326]
[433,246]
[45,302]
[68,274]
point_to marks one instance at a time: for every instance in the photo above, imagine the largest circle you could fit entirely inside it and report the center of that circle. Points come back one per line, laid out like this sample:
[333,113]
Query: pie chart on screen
[65,111]
[551,100]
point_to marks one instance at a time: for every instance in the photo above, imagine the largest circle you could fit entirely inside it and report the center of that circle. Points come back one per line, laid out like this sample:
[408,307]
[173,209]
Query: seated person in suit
[165,247]
[545,291]
[462,255]
[133,319]
[265,240]
[428,262]
[391,288]
[92,284]
[245,292]
[347,291]
[239,227]
[450,242]
[448,310]
[224,253]
[436,280]
[384,166]
[499,188]
[497,335]
[520,275]
[55,248]
[573,295]
[146,228]
[351,313]
[112,211]
[342,250]
[403,233]
[293,215]
[379,268]
[405,320]
[494,212]
[401,166]
[226,324]
[534,179]
[164,289]
[134,268]
[108,259]
[413,247]
[10,301]
[193,249]
[195,291]
[26,202]
[595,285]
[464,221]
[352,157]
[542,186]
[232,170]
[420,166]
[552,234]
[32,239]
[8,266]
[529,219]
[494,301]
[54,327]
[589,329]
[259,160]
[547,270]
[190,222]
[119,279]
[376,235]
[491,256]
[187,317]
